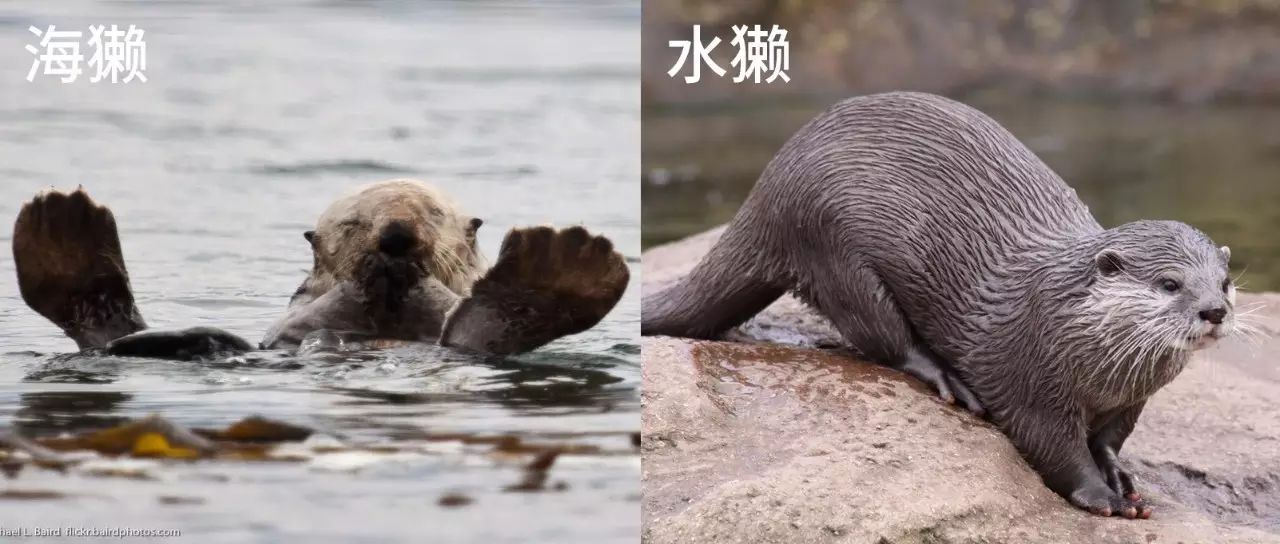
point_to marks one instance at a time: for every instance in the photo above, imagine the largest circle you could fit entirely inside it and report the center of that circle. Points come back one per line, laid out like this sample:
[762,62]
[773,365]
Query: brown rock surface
[754,442]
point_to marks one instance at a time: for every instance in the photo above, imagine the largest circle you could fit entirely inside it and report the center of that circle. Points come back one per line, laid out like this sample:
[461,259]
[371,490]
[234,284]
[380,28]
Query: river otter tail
[725,289]
[71,270]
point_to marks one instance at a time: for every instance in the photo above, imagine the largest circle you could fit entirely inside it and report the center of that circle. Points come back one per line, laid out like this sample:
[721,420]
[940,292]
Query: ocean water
[256,116]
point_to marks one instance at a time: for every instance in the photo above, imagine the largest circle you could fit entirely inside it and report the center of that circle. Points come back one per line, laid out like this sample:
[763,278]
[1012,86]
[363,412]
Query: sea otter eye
[1169,285]
[1226,285]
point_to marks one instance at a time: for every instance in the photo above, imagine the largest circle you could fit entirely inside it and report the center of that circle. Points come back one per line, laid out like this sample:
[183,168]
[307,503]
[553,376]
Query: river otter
[933,239]
[394,260]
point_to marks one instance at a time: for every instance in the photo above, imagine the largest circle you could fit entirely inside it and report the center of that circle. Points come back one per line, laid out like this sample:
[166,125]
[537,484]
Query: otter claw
[1117,479]
[1104,503]
[965,396]
[929,369]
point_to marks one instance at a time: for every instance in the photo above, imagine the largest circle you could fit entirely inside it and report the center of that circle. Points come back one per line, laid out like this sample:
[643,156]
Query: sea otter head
[396,219]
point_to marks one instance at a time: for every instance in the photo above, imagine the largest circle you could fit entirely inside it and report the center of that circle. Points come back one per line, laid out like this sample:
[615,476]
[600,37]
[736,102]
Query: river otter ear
[311,238]
[1109,262]
[1226,253]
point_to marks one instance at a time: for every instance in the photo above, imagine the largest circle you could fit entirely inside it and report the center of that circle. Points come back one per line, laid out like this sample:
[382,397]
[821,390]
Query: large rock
[761,442]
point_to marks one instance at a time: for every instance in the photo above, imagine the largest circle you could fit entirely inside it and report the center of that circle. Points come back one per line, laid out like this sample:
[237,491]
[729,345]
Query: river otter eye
[1169,285]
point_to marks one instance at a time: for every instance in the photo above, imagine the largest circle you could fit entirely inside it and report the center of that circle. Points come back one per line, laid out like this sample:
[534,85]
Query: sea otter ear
[1226,253]
[1109,262]
[311,237]
[474,225]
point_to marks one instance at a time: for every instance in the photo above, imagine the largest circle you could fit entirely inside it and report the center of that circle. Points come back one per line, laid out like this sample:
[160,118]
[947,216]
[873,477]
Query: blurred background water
[256,116]
[1150,109]
[1214,167]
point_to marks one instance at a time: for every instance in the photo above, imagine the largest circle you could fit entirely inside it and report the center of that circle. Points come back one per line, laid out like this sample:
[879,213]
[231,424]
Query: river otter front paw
[1117,478]
[546,284]
[71,269]
[1105,502]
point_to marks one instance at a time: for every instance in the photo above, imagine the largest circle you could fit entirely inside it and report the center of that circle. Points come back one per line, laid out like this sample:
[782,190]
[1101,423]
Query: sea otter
[936,242]
[392,261]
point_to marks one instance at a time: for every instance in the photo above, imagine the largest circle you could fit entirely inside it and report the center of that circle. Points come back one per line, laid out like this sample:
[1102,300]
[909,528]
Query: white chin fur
[1201,343]
[1207,337]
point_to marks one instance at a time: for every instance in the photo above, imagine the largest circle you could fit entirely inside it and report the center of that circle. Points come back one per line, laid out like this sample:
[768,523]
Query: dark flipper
[183,345]
[546,284]
[71,269]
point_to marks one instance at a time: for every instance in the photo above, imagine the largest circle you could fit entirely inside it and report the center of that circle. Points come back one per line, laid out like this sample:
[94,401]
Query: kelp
[153,440]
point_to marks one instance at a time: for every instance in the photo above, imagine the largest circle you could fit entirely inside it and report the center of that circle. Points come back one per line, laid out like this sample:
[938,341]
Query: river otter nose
[1214,315]
[396,239]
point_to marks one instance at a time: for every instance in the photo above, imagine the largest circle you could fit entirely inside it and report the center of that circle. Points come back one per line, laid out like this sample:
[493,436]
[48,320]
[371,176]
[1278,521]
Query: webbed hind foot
[546,284]
[71,270]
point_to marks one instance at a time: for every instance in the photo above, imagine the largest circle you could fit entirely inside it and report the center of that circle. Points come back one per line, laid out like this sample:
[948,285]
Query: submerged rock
[759,442]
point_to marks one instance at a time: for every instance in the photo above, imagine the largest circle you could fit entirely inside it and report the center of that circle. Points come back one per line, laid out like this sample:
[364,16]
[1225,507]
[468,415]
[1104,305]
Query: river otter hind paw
[546,284]
[961,394]
[70,267]
[1105,502]
[943,380]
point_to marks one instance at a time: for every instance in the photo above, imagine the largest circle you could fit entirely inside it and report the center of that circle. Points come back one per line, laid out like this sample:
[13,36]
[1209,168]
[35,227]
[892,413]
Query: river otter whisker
[1250,330]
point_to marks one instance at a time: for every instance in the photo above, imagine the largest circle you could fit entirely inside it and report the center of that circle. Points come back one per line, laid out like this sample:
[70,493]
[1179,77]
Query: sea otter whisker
[449,266]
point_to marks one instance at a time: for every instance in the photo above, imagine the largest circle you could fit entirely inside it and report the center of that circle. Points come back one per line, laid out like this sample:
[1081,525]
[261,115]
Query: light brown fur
[349,229]
[392,261]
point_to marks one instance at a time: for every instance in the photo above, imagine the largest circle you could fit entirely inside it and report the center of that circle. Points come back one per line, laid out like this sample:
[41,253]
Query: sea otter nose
[1214,315]
[396,239]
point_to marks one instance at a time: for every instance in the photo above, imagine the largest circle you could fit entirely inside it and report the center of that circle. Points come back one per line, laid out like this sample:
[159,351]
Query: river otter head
[399,219]
[1159,291]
